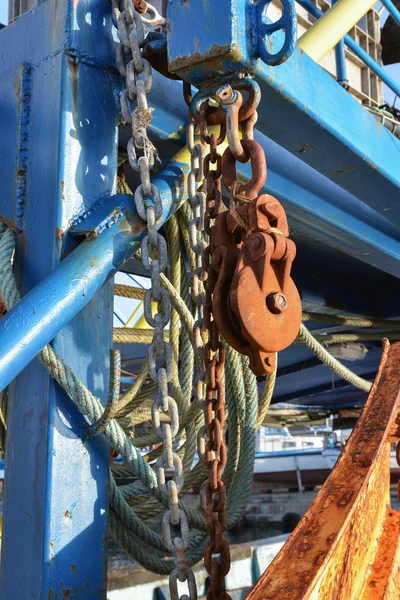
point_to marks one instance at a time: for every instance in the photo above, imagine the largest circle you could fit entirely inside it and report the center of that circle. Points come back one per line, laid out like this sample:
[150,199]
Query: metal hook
[157,20]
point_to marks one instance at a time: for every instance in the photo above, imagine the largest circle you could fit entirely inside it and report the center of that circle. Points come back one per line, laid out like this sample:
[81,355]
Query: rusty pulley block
[255,302]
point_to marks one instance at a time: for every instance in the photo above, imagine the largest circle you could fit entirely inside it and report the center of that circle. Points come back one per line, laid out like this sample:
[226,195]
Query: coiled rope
[126,523]
[131,505]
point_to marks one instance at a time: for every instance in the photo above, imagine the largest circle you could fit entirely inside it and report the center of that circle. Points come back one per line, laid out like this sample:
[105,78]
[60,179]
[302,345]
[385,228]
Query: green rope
[245,413]
[305,337]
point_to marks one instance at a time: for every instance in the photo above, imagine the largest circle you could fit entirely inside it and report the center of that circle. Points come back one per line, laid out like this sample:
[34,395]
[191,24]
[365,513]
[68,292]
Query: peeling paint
[22,156]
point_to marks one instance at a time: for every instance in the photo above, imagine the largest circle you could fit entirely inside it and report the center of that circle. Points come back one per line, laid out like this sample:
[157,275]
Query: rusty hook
[250,190]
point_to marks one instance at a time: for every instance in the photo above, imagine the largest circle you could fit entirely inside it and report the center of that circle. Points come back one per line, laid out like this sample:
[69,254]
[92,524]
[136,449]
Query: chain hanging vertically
[142,156]
[248,252]
[209,389]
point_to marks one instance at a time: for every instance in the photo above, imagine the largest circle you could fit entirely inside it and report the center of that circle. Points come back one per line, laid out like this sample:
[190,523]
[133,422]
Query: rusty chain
[255,224]
[209,391]
[255,302]
[217,553]
[142,156]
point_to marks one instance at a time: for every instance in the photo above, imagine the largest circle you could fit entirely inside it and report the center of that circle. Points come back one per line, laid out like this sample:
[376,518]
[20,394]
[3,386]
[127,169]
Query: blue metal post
[341,69]
[58,154]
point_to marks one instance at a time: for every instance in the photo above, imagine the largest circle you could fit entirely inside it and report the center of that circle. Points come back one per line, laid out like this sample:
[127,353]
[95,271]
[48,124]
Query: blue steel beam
[59,297]
[302,107]
[58,154]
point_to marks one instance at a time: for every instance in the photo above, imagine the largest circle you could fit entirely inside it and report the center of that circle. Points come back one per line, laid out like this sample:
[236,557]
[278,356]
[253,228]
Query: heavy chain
[213,452]
[209,390]
[142,156]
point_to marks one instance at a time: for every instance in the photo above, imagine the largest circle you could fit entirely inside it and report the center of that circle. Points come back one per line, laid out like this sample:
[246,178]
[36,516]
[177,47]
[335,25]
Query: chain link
[217,553]
[208,388]
[209,391]
[142,156]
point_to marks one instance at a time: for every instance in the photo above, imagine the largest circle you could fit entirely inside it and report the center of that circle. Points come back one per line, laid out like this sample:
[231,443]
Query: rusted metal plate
[346,547]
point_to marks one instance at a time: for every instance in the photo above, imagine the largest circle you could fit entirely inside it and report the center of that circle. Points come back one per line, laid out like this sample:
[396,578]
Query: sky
[3,11]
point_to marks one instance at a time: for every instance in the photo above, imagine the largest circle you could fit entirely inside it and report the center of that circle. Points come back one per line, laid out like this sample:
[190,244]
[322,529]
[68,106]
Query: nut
[277,302]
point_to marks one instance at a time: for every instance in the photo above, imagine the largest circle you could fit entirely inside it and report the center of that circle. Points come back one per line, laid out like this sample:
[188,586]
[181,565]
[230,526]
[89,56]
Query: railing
[356,49]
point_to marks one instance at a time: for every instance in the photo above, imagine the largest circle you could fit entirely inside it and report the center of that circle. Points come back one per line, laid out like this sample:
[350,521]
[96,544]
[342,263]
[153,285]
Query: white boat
[300,461]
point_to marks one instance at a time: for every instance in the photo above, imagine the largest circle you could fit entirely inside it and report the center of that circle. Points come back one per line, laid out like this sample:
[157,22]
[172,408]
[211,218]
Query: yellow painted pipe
[333,26]
[141,323]
[134,314]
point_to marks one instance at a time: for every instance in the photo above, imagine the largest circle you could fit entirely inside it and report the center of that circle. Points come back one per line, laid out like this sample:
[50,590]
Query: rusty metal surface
[255,302]
[347,544]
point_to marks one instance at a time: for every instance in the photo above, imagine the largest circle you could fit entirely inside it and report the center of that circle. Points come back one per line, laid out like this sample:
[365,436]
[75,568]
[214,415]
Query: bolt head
[277,302]
[226,94]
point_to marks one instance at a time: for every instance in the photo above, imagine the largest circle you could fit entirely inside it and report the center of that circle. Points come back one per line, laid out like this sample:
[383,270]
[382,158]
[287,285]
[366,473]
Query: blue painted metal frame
[114,232]
[58,152]
[63,159]
[329,130]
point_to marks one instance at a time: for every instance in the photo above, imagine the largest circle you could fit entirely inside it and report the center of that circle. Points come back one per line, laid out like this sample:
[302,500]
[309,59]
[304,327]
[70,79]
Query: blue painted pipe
[341,68]
[358,51]
[49,306]
[392,10]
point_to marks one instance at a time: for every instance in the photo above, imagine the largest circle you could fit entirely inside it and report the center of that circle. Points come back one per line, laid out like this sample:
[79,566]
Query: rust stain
[214,57]
[10,224]
[59,232]
[355,550]
[2,308]
[52,550]
[138,227]
[51,594]
[343,170]
[66,593]
[304,147]
[73,568]
[62,191]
